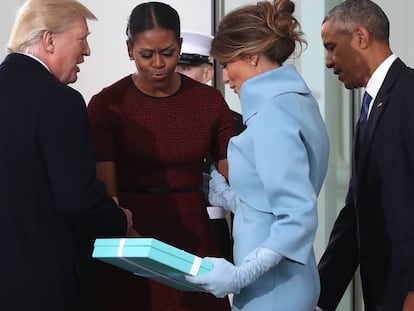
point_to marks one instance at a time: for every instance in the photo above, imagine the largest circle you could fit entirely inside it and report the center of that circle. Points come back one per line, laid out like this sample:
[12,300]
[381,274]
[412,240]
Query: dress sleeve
[104,121]
[225,128]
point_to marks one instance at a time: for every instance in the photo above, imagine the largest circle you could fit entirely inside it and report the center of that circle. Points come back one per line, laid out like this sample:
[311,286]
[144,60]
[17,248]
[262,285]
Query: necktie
[363,117]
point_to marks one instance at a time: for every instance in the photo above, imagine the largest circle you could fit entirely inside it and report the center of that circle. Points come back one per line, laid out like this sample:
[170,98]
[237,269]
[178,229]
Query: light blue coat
[277,167]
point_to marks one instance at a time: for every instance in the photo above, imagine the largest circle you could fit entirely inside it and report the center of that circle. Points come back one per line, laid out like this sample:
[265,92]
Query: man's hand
[409,302]
[132,233]
[128,215]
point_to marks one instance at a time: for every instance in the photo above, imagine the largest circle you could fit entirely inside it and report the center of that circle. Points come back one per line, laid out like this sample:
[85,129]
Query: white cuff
[215,212]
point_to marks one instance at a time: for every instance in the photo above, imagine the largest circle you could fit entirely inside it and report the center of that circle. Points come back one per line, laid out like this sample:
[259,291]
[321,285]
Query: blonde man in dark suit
[52,204]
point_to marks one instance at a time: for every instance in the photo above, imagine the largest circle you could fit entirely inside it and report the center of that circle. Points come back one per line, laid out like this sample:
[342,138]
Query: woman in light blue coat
[276,166]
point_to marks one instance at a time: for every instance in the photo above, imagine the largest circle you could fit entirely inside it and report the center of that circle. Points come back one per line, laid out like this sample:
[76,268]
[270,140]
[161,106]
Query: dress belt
[161,190]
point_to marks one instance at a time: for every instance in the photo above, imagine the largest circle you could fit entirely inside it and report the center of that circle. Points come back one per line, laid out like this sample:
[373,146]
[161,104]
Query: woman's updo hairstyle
[263,29]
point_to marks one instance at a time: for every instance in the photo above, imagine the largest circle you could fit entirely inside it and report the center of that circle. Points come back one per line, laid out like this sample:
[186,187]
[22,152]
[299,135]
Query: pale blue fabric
[220,193]
[276,168]
[258,262]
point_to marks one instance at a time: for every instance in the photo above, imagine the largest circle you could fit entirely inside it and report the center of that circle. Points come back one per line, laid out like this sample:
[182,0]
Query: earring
[253,63]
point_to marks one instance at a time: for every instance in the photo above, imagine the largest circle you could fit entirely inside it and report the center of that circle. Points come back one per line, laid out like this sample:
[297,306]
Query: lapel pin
[379,105]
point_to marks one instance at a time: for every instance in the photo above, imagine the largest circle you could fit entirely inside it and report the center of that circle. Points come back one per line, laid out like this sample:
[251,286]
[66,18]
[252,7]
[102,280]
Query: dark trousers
[224,238]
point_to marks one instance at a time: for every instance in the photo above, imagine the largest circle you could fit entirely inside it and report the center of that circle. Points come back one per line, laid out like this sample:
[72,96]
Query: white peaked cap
[196,43]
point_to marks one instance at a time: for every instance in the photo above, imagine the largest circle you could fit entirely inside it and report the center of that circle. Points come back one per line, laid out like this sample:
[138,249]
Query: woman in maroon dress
[152,132]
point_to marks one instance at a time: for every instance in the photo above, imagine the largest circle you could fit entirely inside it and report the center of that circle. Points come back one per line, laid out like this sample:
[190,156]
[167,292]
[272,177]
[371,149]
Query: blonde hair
[37,16]
[263,29]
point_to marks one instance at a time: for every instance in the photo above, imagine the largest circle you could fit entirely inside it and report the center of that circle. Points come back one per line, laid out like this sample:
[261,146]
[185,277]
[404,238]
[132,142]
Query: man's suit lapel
[376,111]
[380,104]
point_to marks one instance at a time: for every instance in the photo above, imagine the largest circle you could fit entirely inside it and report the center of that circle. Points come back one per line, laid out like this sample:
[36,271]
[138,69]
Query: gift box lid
[151,258]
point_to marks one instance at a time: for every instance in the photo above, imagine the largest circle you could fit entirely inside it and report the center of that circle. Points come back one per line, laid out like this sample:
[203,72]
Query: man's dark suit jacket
[375,229]
[52,206]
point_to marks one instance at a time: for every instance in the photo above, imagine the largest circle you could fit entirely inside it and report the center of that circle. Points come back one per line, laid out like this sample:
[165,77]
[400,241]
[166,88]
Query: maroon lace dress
[159,146]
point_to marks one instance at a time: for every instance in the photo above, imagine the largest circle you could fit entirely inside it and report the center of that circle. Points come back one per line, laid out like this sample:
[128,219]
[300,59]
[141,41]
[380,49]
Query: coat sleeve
[64,138]
[403,223]
[282,165]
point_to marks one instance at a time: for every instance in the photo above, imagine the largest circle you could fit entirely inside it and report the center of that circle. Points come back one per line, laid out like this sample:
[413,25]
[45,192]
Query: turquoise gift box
[152,259]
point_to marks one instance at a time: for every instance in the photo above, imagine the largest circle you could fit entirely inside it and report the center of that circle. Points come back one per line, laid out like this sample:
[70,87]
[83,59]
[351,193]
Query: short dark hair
[354,13]
[150,15]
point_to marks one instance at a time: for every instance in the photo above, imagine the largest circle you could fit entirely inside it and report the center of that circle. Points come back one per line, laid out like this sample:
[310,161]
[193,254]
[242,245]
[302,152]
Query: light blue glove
[220,193]
[225,278]
[218,281]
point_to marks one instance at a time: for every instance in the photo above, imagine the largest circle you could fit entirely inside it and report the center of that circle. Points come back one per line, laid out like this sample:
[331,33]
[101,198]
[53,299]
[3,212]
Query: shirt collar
[37,59]
[378,77]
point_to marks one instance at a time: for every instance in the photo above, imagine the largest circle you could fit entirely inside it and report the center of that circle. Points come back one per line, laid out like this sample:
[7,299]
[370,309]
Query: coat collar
[26,61]
[257,91]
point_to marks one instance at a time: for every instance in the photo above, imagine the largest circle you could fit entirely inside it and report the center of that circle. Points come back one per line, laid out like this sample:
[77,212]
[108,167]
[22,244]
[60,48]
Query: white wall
[400,14]
[8,10]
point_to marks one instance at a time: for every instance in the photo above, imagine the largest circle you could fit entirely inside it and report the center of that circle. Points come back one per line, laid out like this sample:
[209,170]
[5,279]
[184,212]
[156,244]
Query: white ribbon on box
[196,266]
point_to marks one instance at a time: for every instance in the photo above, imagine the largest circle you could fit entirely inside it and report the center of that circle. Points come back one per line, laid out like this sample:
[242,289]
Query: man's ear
[48,41]
[362,37]
[208,73]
